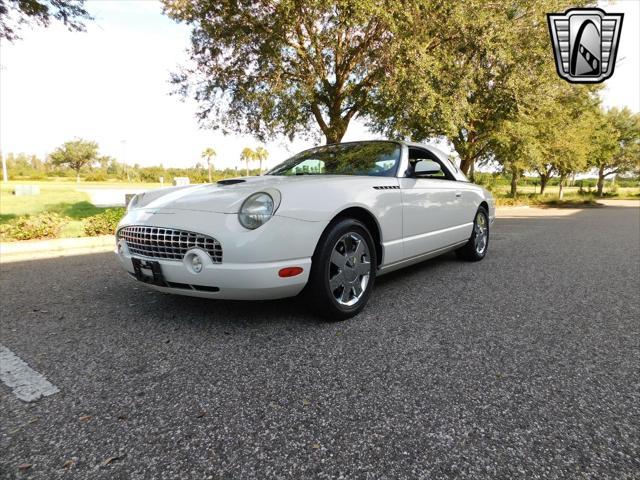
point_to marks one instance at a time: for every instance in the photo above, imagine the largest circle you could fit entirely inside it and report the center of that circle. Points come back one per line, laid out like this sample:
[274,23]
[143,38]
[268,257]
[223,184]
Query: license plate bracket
[156,277]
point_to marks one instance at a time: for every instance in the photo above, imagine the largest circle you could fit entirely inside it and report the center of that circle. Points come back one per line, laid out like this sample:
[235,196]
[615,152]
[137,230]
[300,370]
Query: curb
[40,249]
[526,211]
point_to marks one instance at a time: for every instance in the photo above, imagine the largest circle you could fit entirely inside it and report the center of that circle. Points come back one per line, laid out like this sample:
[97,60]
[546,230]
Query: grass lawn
[59,197]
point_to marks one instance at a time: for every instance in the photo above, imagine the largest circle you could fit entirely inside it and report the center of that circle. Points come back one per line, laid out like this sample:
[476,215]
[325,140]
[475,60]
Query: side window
[308,167]
[423,164]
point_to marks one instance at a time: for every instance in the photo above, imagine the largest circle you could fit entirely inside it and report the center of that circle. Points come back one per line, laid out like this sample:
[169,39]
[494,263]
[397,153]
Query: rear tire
[476,248]
[343,270]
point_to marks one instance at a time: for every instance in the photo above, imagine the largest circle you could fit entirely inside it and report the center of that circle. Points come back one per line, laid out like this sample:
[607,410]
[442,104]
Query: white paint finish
[236,281]
[431,210]
[27,384]
[280,239]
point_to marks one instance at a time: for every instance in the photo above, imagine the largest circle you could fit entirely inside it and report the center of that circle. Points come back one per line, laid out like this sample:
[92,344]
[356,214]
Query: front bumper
[248,281]
[251,259]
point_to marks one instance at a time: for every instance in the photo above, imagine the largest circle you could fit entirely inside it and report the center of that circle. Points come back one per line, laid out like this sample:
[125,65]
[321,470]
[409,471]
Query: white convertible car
[327,221]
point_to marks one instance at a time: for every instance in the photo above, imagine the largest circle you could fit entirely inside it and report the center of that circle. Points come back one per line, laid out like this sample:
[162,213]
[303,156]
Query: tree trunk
[601,181]
[561,189]
[246,168]
[543,183]
[334,134]
[260,166]
[78,176]
[465,165]
[209,168]
[515,175]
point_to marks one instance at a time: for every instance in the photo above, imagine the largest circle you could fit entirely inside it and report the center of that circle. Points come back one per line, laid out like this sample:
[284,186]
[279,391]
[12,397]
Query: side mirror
[426,167]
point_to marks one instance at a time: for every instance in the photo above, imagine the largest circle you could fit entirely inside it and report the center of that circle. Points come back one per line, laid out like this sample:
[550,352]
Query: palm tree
[261,154]
[247,156]
[208,154]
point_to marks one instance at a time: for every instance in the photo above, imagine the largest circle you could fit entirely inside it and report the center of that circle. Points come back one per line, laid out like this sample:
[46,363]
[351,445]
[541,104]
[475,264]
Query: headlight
[256,210]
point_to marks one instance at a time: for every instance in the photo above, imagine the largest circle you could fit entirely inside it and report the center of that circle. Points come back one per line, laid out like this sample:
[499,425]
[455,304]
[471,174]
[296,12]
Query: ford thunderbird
[325,222]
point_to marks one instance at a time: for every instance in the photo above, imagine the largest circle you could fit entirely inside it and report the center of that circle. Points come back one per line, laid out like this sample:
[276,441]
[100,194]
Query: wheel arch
[367,218]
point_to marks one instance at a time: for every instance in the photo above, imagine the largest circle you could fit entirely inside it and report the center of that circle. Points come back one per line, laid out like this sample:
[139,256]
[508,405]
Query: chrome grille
[168,243]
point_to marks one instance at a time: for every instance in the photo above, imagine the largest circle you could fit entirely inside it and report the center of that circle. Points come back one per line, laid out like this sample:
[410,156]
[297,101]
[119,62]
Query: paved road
[525,365]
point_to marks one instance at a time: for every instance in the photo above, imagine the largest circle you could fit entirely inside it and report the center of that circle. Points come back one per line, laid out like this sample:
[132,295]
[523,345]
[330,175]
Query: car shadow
[96,281]
[236,312]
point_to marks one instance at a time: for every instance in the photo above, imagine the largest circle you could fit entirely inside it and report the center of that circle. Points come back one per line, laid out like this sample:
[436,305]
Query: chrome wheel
[481,230]
[349,269]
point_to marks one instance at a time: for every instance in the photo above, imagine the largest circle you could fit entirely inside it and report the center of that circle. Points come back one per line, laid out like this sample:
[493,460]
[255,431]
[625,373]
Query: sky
[111,84]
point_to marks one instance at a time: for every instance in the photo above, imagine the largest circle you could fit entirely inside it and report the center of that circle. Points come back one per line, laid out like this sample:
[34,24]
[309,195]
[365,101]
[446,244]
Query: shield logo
[585,43]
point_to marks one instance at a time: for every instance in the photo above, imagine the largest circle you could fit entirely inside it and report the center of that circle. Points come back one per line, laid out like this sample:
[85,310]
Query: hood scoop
[231,181]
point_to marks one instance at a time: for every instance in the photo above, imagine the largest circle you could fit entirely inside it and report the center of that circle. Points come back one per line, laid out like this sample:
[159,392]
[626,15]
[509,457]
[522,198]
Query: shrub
[98,176]
[586,183]
[42,225]
[627,182]
[103,223]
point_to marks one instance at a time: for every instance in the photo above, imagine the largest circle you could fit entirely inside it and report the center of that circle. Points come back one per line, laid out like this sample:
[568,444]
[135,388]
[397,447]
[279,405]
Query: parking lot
[524,365]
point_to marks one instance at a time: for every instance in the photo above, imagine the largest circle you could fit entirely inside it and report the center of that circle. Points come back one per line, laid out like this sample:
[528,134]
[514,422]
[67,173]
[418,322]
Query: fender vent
[231,181]
[387,187]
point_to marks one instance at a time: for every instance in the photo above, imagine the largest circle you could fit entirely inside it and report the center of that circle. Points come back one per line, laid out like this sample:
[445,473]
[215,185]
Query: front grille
[168,243]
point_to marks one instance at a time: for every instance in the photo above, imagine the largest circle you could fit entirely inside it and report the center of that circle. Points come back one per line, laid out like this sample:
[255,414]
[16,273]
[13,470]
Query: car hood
[224,197]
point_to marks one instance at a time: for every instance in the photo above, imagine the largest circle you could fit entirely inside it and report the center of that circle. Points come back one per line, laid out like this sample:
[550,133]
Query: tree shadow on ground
[76,211]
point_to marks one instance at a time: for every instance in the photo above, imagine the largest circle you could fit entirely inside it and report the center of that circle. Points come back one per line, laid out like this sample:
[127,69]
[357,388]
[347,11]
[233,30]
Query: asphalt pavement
[524,365]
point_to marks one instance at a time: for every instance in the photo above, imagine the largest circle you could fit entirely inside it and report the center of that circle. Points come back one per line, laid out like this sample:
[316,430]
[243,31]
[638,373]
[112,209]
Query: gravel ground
[524,365]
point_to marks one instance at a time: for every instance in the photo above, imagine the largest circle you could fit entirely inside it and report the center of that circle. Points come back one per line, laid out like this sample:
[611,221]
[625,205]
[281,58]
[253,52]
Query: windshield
[379,159]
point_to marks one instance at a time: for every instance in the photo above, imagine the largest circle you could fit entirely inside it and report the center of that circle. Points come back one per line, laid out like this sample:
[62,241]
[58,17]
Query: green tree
[261,154]
[616,142]
[564,125]
[247,155]
[276,68]
[104,161]
[418,69]
[492,62]
[208,154]
[76,155]
[14,13]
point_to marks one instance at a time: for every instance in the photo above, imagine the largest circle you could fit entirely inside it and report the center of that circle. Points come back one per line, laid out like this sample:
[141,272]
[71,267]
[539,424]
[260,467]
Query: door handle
[458,194]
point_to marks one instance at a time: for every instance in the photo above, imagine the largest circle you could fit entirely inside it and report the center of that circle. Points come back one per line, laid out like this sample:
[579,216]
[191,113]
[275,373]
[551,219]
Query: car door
[434,213]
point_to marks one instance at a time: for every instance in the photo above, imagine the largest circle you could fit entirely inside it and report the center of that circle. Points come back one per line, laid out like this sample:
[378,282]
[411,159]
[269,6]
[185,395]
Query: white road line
[27,384]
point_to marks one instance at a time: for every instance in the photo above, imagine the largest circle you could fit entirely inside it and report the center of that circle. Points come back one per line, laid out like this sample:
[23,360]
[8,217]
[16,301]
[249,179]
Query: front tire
[343,270]
[476,248]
